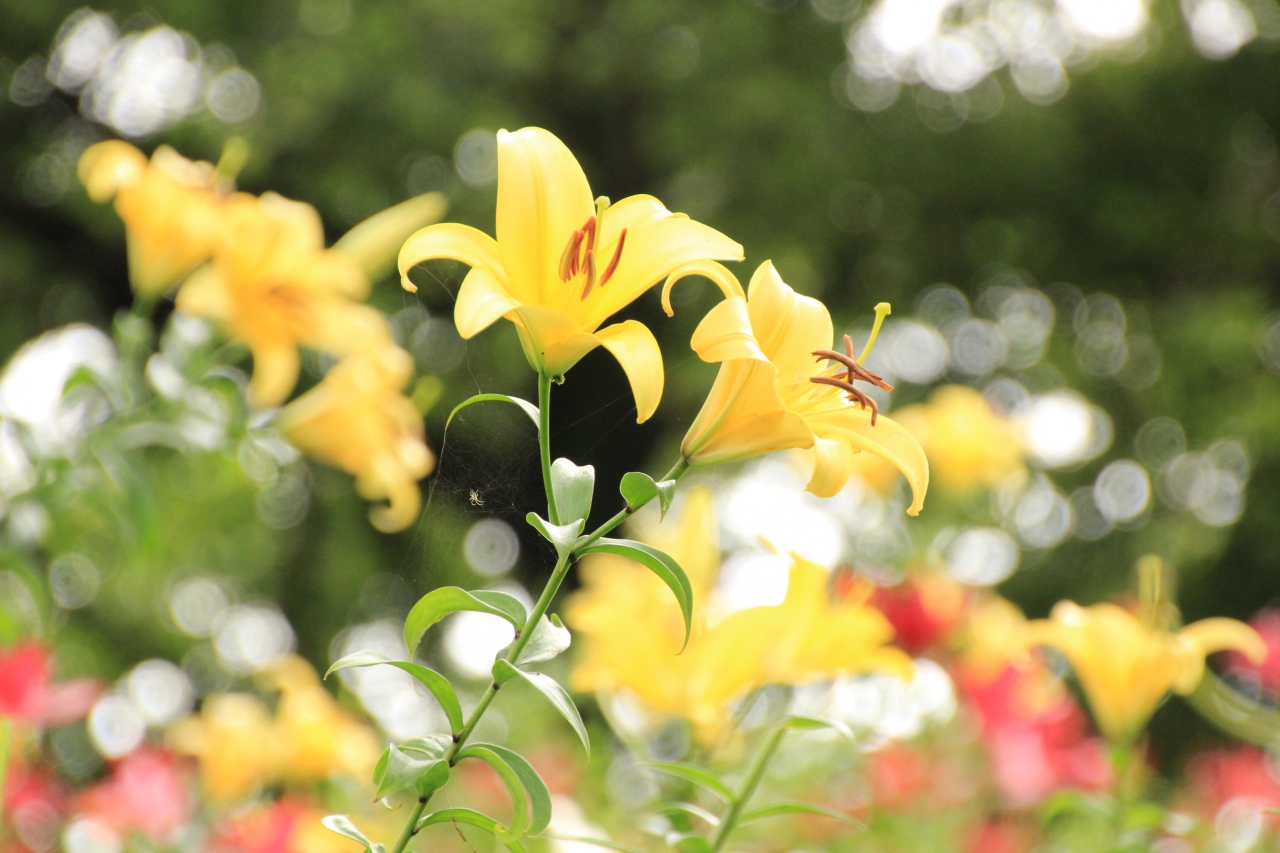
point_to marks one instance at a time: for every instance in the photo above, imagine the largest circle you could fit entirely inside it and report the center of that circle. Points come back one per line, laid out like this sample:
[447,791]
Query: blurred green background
[1154,179]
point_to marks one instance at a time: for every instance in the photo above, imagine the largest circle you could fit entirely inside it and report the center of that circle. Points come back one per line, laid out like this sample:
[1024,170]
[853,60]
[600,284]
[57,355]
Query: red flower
[148,791]
[27,694]
[1222,775]
[34,806]
[1037,737]
[923,610]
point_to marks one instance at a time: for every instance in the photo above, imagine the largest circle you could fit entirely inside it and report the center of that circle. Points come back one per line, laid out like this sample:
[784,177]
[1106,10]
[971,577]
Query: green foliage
[436,683]
[504,672]
[661,564]
[343,825]
[638,489]
[439,603]
[528,408]
[573,486]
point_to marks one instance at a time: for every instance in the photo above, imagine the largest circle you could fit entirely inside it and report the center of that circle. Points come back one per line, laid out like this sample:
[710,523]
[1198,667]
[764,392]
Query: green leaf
[432,746]
[573,487]
[342,825]
[688,809]
[780,809]
[515,789]
[428,678]
[807,722]
[638,489]
[503,672]
[695,775]
[661,564]
[563,536]
[550,638]
[688,842]
[598,842]
[521,780]
[399,769]
[439,603]
[529,408]
[471,818]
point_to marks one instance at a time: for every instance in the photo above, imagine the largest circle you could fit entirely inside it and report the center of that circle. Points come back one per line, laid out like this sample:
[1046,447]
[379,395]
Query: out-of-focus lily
[242,747]
[562,263]
[967,443]
[923,609]
[358,420]
[147,792]
[775,389]
[288,825]
[632,632]
[172,209]
[275,287]
[1127,665]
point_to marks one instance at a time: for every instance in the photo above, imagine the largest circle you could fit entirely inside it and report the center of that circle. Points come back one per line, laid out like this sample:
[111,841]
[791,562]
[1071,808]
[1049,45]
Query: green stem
[544,443]
[677,471]
[748,789]
[473,719]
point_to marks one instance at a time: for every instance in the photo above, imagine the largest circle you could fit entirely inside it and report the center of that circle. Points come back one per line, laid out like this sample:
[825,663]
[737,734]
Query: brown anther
[613,262]
[855,396]
[853,369]
[569,257]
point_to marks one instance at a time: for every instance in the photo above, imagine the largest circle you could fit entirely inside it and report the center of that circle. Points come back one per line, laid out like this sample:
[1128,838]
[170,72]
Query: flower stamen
[613,262]
[853,371]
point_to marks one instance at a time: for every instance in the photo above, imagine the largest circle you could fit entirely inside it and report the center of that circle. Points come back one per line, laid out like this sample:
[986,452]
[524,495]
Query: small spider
[476,498]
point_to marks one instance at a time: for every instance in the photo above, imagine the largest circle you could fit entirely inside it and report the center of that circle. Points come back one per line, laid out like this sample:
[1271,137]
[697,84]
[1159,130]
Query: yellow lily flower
[233,739]
[358,420]
[275,287]
[630,632]
[241,747]
[562,264]
[172,209]
[771,394]
[967,443]
[1126,666]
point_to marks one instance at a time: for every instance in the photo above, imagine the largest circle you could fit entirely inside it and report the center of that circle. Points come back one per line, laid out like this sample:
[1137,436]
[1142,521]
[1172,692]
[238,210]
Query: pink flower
[1036,736]
[148,791]
[34,806]
[27,694]
[1222,775]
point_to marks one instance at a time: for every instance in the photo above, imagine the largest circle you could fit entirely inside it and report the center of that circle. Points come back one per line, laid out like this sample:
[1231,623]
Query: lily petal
[108,166]
[543,197]
[652,251]
[1201,639]
[552,341]
[742,417]
[788,327]
[715,272]
[205,295]
[832,462]
[449,240]
[374,243]
[635,348]
[275,373]
[888,440]
[725,333]
[481,300]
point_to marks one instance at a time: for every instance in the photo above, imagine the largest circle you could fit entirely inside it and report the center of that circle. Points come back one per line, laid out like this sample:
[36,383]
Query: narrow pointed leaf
[550,638]
[515,789]
[803,722]
[428,678]
[638,489]
[781,809]
[688,842]
[539,794]
[563,536]
[529,408]
[439,603]
[342,825]
[688,809]
[695,775]
[661,564]
[432,746]
[573,487]
[471,818]
[503,672]
[398,769]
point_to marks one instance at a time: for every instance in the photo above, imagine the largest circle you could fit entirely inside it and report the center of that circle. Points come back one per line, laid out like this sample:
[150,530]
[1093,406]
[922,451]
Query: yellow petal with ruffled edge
[106,167]
[725,333]
[456,242]
[543,197]
[887,439]
[1201,639]
[635,348]
[716,273]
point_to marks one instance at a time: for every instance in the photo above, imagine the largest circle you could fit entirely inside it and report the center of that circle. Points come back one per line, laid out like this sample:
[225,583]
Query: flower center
[853,369]
[579,256]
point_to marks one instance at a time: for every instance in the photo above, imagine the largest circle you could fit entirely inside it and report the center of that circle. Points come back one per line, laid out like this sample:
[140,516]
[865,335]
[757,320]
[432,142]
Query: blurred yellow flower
[994,637]
[358,420]
[241,747]
[172,209]
[232,737]
[775,390]
[967,443]
[562,264]
[1126,666]
[276,288]
[631,631]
